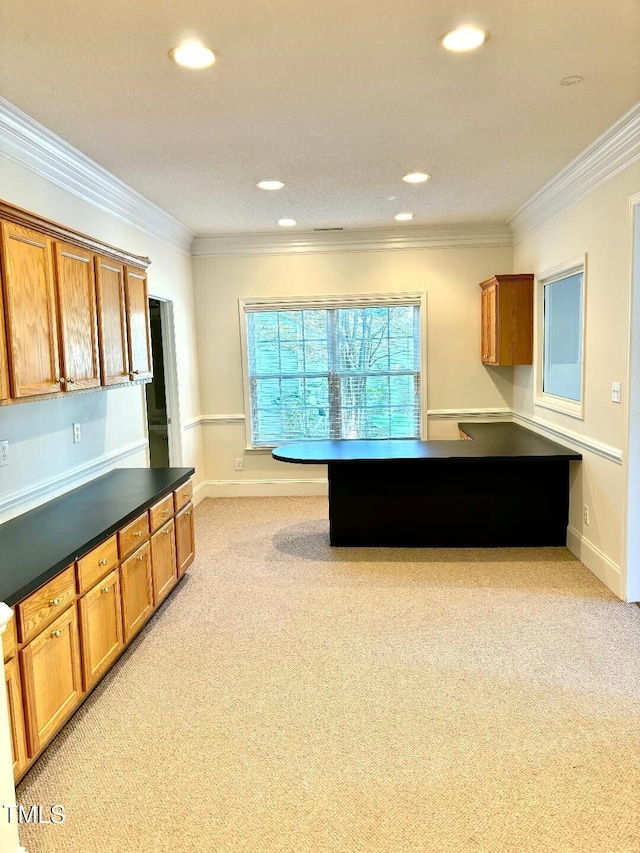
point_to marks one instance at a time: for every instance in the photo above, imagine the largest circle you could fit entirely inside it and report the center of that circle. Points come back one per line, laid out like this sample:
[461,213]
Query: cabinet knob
[167,532]
[138,533]
[71,381]
[106,588]
[188,512]
[54,602]
[186,494]
[103,562]
[166,511]
[61,381]
[141,557]
[56,633]
[135,372]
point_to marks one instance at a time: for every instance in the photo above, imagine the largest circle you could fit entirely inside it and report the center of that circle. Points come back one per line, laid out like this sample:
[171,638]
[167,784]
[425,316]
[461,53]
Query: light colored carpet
[294,698]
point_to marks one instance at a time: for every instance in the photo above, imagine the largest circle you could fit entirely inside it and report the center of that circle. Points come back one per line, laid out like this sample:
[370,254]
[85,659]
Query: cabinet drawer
[161,512]
[9,641]
[45,604]
[183,494]
[97,563]
[133,535]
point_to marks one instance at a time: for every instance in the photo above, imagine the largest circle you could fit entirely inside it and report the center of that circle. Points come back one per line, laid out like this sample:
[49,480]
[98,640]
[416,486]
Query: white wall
[456,378]
[42,453]
[600,227]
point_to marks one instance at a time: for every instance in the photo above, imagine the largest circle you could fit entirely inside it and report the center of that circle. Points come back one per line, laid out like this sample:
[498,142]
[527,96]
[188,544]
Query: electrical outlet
[4,453]
[239,463]
[615,392]
[585,514]
[77,434]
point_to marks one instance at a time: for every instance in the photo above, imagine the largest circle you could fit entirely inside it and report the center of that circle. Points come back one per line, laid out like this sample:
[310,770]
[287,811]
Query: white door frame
[172,394]
[630,587]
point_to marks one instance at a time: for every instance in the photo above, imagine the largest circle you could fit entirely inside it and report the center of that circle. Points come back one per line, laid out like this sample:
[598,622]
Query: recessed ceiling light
[270,185]
[287,223]
[571,81]
[416,177]
[193,54]
[403,217]
[464,38]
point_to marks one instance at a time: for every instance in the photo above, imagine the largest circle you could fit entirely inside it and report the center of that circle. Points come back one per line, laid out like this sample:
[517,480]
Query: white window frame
[572,408]
[350,300]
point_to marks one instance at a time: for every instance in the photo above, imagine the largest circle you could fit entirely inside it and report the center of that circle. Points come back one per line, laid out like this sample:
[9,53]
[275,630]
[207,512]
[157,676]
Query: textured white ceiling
[337,99]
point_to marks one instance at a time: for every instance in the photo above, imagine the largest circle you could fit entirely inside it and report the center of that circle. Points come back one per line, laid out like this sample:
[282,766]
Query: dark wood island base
[507,488]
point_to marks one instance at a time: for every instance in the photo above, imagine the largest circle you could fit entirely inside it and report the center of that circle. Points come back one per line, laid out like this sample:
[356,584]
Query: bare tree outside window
[334,373]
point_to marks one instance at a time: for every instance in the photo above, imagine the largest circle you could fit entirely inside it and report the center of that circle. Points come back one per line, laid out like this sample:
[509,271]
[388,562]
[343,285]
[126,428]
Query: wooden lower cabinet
[163,560]
[137,591]
[16,717]
[100,627]
[51,677]
[185,541]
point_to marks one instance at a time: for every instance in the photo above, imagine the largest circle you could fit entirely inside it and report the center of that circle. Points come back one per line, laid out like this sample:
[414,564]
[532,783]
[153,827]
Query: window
[561,325]
[322,369]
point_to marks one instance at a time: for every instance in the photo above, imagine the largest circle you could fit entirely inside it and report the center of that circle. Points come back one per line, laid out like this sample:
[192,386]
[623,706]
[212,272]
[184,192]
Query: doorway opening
[161,393]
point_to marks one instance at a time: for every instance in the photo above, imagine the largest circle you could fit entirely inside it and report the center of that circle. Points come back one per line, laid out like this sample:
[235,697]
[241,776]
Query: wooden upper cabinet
[76,289]
[30,308]
[112,322]
[139,328]
[507,320]
[4,363]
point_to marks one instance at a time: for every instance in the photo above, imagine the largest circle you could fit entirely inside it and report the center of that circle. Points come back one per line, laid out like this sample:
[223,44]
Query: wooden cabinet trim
[16,717]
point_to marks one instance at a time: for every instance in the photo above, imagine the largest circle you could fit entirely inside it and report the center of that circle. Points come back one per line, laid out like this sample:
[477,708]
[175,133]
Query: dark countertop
[490,441]
[37,545]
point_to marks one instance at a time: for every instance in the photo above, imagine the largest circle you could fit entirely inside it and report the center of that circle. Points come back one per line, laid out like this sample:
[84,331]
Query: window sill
[561,404]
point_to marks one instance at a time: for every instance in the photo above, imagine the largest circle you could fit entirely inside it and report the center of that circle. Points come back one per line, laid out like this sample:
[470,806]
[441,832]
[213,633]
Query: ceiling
[336,99]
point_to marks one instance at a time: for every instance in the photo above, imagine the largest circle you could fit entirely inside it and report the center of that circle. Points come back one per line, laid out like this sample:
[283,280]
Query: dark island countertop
[490,441]
[37,545]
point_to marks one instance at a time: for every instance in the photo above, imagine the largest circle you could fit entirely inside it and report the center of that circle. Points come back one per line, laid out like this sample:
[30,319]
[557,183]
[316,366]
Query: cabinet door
[139,328]
[16,717]
[31,315]
[112,322]
[163,561]
[4,359]
[185,545]
[101,627]
[489,324]
[137,591]
[50,668]
[76,288]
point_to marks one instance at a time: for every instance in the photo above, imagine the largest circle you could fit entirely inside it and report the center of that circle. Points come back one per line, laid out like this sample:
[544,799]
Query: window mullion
[334,379]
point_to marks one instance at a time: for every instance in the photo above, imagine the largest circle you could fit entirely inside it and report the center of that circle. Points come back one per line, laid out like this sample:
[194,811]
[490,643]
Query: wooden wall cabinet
[139,326]
[74,312]
[31,312]
[77,311]
[507,320]
[51,677]
[112,322]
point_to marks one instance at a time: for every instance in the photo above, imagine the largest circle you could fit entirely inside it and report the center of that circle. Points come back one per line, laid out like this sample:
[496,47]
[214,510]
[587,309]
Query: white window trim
[572,408]
[329,300]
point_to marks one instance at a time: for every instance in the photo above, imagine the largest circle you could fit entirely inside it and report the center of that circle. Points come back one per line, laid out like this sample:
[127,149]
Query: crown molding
[28,143]
[470,236]
[615,150]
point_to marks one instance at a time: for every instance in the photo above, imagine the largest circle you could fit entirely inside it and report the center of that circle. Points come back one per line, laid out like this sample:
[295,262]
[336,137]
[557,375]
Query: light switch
[615,392]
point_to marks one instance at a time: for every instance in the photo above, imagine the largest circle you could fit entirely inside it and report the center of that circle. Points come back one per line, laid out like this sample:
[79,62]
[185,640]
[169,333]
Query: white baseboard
[13,503]
[596,561]
[200,493]
[265,488]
